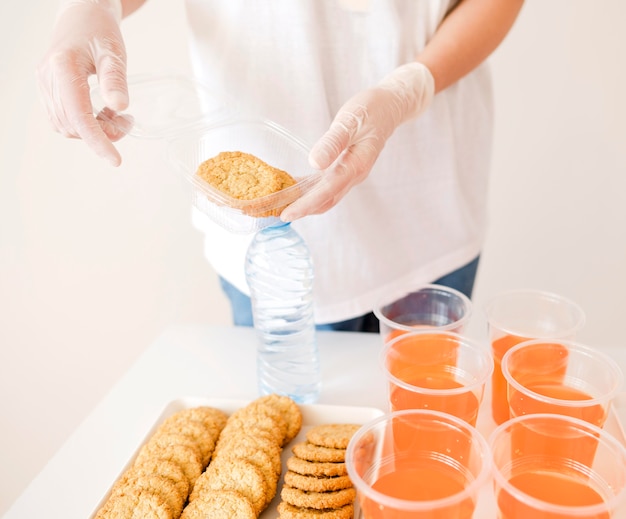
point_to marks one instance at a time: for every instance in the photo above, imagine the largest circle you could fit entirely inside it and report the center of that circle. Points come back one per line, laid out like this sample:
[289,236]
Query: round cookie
[240,441]
[316,483]
[290,411]
[136,505]
[133,482]
[263,461]
[312,468]
[202,436]
[242,175]
[318,500]
[255,424]
[220,504]
[233,474]
[333,436]
[288,511]
[166,469]
[205,414]
[310,452]
[185,457]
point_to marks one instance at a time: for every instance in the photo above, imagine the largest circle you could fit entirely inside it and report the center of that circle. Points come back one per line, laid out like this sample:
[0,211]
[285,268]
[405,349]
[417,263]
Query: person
[395,95]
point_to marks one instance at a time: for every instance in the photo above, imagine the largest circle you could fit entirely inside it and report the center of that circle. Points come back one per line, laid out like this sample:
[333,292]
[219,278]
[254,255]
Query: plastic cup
[539,474]
[441,371]
[561,377]
[426,306]
[520,315]
[404,465]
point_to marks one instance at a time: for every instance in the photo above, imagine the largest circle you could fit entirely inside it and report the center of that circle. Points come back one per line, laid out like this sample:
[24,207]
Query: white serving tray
[311,415]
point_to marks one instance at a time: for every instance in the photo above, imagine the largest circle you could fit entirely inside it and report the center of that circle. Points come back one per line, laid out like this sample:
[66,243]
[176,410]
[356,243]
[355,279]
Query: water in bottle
[279,271]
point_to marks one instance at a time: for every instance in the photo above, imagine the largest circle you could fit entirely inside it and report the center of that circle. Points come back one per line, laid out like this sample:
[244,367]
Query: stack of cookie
[158,483]
[242,478]
[316,482]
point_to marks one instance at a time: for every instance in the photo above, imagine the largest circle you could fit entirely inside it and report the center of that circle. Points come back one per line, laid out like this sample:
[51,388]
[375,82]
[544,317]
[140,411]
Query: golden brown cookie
[316,483]
[185,457]
[210,416]
[241,440]
[243,176]
[255,423]
[290,411]
[202,436]
[135,482]
[263,461]
[308,451]
[166,469]
[288,511]
[220,504]
[137,505]
[317,500]
[313,468]
[333,436]
[233,474]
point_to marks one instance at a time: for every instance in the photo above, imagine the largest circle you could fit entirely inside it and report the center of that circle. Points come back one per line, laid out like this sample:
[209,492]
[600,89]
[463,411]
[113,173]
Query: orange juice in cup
[561,377]
[533,480]
[520,315]
[401,468]
[440,371]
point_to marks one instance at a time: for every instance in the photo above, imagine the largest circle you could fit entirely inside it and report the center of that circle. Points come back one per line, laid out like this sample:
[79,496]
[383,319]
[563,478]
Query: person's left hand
[357,135]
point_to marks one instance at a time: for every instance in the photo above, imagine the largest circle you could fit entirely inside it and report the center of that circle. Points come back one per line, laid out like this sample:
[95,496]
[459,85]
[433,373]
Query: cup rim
[384,300]
[473,345]
[409,505]
[565,510]
[612,365]
[511,330]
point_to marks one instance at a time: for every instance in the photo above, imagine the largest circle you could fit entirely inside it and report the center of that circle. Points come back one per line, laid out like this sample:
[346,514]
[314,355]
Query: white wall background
[96,261]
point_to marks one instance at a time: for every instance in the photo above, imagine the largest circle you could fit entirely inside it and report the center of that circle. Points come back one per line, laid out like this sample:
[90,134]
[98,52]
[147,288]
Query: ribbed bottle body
[280,274]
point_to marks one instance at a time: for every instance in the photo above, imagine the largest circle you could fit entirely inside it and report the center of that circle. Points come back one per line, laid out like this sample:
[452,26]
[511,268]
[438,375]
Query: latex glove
[357,135]
[86,40]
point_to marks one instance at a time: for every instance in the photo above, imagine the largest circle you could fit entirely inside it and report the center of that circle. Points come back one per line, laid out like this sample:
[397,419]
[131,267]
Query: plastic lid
[166,106]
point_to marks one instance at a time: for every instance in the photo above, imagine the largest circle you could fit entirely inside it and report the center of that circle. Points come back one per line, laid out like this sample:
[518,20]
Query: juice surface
[551,487]
[523,404]
[430,480]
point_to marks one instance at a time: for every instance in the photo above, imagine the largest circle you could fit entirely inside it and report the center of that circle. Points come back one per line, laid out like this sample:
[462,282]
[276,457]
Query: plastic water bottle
[279,272]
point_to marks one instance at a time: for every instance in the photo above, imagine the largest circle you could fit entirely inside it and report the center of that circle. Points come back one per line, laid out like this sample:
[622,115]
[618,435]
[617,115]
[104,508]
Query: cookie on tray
[317,500]
[288,511]
[333,436]
[313,468]
[234,474]
[308,451]
[220,504]
[144,504]
[316,483]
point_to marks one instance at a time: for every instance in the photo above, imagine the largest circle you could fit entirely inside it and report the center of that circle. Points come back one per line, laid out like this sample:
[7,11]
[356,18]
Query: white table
[194,361]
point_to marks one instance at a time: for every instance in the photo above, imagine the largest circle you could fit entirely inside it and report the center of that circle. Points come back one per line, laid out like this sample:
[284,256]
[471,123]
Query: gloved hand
[357,135]
[86,40]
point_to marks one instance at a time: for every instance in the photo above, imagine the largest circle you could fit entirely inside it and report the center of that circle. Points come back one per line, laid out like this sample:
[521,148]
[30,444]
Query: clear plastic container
[198,125]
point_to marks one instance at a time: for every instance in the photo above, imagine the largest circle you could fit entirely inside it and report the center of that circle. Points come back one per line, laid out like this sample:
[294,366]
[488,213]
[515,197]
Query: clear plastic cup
[417,464]
[520,315]
[539,472]
[561,377]
[441,371]
[425,306]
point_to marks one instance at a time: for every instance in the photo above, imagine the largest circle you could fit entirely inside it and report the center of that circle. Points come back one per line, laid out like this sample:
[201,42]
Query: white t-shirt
[420,214]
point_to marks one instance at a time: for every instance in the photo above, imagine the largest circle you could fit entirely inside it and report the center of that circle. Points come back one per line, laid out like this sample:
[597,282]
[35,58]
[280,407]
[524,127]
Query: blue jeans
[461,279]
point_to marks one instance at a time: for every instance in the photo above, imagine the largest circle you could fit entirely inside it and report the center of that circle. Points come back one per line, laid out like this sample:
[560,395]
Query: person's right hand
[86,40]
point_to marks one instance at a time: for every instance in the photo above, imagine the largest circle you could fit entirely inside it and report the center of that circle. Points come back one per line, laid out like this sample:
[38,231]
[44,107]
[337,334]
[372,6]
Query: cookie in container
[197,126]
